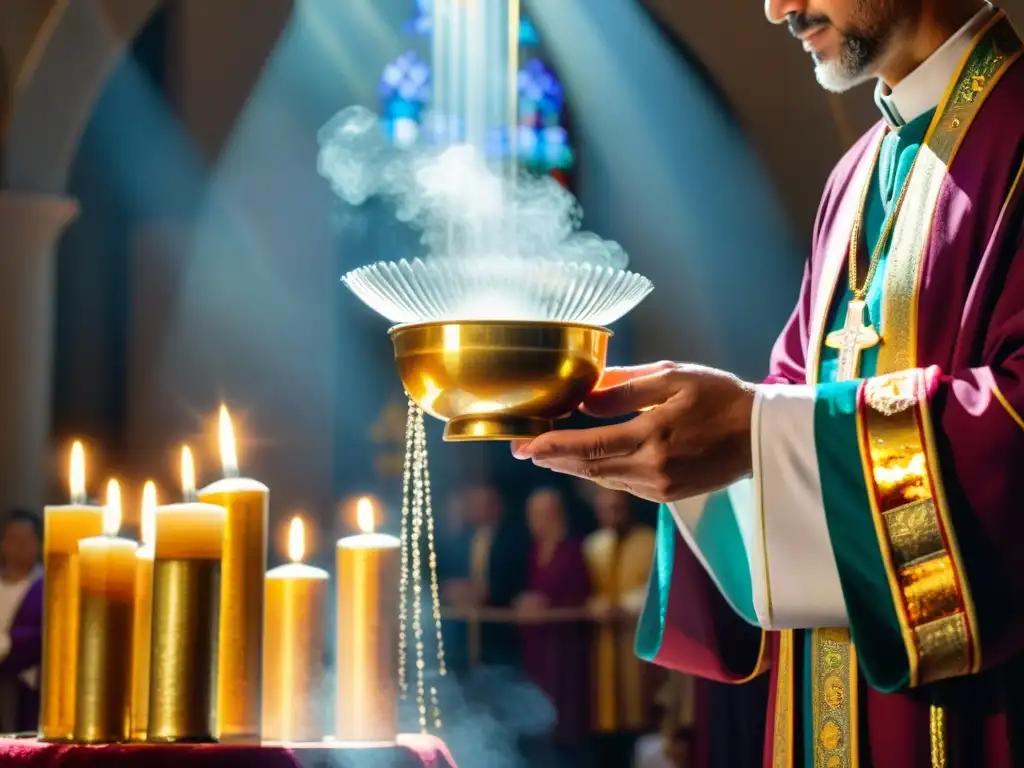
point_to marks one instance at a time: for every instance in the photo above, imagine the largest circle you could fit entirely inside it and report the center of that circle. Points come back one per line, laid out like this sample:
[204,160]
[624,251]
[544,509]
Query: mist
[464,204]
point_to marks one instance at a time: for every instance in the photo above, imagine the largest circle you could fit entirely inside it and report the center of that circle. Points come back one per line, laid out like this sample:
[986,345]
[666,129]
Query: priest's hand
[692,434]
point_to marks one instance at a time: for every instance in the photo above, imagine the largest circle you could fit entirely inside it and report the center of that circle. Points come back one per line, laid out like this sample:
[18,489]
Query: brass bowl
[498,380]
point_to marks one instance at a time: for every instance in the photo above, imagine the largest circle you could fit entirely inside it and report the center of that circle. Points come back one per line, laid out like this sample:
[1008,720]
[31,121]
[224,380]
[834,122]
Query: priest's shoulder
[999,125]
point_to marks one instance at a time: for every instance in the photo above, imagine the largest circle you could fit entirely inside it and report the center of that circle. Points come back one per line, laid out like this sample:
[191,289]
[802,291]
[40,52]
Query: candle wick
[231,473]
[79,499]
[191,496]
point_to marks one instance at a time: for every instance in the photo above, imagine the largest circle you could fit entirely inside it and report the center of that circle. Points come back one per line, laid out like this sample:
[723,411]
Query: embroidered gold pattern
[913,530]
[892,393]
[834,683]
[925,582]
[942,645]
[782,727]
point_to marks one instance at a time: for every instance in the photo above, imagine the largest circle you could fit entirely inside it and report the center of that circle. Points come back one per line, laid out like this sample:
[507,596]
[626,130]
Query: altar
[410,751]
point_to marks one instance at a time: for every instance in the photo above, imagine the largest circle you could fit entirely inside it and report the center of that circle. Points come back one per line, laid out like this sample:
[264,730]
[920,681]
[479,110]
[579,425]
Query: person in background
[554,657]
[496,574]
[21,621]
[672,746]
[618,557]
[453,545]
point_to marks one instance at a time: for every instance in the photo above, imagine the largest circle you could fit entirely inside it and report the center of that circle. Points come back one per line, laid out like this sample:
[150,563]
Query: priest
[850,526]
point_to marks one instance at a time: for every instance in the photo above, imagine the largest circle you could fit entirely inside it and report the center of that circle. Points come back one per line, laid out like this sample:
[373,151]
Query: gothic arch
[56,55]
[64,54]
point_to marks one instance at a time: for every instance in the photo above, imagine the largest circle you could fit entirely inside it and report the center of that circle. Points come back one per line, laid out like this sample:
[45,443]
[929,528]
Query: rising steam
[461,204]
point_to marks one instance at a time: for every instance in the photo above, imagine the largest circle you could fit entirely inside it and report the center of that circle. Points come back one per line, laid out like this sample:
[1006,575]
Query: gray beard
[851,68]
[834,78]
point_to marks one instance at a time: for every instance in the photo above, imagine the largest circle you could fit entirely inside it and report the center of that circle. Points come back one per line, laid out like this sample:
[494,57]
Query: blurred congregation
[547,591]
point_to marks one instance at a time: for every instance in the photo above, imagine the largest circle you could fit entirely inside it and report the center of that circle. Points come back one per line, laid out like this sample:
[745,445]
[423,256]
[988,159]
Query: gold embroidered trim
[914,540]
[782,727]
[833,711]
[913,530]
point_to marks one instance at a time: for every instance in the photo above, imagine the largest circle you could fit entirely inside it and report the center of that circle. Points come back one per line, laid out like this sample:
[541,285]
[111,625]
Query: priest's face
[847,39]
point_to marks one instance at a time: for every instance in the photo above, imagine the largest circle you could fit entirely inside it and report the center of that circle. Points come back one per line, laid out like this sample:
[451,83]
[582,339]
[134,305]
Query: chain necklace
[856,335]
[860,293]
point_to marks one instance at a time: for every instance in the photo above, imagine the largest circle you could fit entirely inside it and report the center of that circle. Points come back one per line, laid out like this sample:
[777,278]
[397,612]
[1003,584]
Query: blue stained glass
[542,142]
[407,77]
[421,23]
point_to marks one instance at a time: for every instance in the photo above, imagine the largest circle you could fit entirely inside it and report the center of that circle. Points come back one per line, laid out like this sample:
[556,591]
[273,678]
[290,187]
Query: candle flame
[228,449]
[296,540]
[112,509]
[149,513]
[77,476]
[188,473]
[365,515]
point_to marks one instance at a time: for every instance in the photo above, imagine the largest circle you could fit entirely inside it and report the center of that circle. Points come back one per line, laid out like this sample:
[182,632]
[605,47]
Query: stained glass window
[542,139]
[405,93]
[543,142]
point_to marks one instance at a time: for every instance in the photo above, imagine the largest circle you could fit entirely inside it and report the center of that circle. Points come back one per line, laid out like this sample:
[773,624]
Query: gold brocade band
[834,711]
[782,728]
[926,579]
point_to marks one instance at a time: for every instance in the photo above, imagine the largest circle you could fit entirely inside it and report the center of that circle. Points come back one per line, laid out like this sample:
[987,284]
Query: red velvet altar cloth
[411,751]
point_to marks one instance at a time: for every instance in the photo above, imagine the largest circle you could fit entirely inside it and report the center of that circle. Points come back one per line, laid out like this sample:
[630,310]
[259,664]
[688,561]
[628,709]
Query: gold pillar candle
[366,707]
[142,616]
[293,651]
[243,565]
[107,583]
[186,595]
[63,527]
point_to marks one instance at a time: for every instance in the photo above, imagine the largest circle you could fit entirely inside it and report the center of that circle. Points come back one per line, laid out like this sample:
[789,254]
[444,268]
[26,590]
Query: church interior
[168,247]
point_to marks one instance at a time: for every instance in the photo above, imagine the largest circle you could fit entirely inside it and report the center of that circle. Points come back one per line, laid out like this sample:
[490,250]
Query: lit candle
[186,569]
[104,690]
[63,527]
[143,615]
[243,566]
[367,657]
[294,646]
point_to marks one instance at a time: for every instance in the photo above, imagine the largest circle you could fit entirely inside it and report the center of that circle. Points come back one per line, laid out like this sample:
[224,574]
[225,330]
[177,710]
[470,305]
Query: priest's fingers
[617,473]
[587,444]
[616,469]
[613,377]
[634,394]
[607,475]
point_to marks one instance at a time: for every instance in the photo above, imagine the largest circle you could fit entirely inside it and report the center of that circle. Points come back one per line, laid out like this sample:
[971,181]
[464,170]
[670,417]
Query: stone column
[30,228]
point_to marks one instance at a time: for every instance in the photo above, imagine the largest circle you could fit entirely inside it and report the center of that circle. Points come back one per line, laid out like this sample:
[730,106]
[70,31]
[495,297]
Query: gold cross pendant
[853,338]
